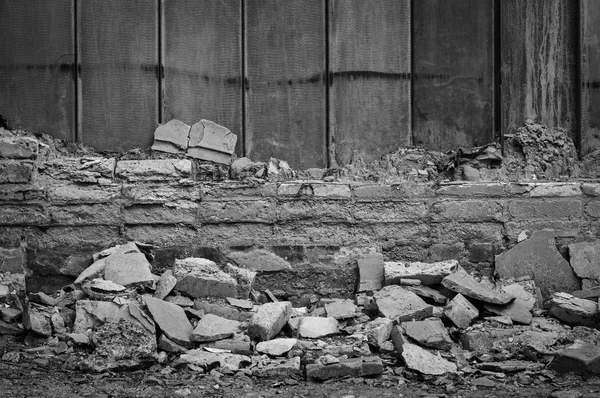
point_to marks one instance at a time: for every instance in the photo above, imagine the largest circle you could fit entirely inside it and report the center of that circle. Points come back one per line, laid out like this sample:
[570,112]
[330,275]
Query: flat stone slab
[371,272]
[399,304]
[165,284]
[463,283]
[269,319]
[519,310]
[341,309]
[128,266]
[573,310]
[378,331]
[181,301]
[259,260]
[211,141]
[429,333]
[91,314]
[427,292]
[279,369]
[510,366]
[171,137]
[427,273]
[316,327]
[421,360]
[580,358]
[171,319]
[461,312]
[276,347]
[538,258]
[212,327]
[352,367]
[585,259]
[200,277]
[243,304]
[207,360]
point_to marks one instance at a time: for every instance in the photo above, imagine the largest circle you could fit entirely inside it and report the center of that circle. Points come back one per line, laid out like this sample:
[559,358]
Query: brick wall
[54,213]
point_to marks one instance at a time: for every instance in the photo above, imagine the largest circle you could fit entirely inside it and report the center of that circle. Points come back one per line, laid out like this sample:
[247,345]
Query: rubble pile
[425,321]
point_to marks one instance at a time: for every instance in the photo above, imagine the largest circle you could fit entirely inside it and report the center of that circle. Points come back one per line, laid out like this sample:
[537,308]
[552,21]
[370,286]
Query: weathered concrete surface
[316,327]
[461,312]
[429,333]
[398,304]
[538,258]
[171,319]
[212,327]
[427,273]
[371,272]
[200,277]
[573,310]
[463,283]
[353,367]
[268,320]
[421,360]
[584,258]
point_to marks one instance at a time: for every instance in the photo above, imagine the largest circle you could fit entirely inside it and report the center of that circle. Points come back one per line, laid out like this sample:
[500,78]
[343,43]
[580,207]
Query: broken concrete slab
[238,344]
[399,304]
[371,272]
[378,331]
[269,319]
[165,284]
[279,369]
[244,277]
[276,347]
[208,360]
[243,304]
[313,327]
[461,312]
[200,277]
[518,310]
[579,358]
[91,314]
[430,333]
[341,309]
[463,283]
[179,300]
[128,266]
[428,293]
[427,273]
[37,318]
[349,367]
[573,310]
[421,360]
[584,259]
[538,258]
[168,345]
[104,286]
[259,260]
[222,310]
[96,270]
[212,142]
[171,319]
[171,137]
[212,327]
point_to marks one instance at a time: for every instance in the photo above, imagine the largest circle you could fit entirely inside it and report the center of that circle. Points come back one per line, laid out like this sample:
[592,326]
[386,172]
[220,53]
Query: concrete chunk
[171,319]
[37,318]
[573,310]
[210,141]
[212,327]
[352,367]
[341,309]
[315,327]
[371,272]
[538,257]
[128,266]
[463,283]
[268,320]
[276,347]
[461,312]
[398,304]
[579,358]
[171,137]
[585,259]
[199,277]
[427,273]
[378,331]
[207,360]
[259,260]
[428,333]
[520,309]
[279,369]
[421,360]
[427,292]
[165,284]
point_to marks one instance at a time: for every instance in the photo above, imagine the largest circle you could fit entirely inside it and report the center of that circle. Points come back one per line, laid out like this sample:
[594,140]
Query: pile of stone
[406,320]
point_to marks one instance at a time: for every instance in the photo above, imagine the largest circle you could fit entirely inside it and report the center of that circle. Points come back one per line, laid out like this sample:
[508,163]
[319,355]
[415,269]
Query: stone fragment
[510,366]
[179,300]
[573,310]
[316,327]
[165,284]
[92,314]
[585,259]
[10,329]
[520,309]
[128,266]
[171,137]
[463,283]
[104,286]
[171,319]
[340,309]
[268,320]
[538,258]
[210,141]
[371,272]
[484,382]
[461,312]
[212,327]
[428,333]
[81,339]
[238,344]
[349,367]
[37,318]
[168,345]
[259,260]
[200,277]
[207,360]
[158,170]
[591,293]
[276,347]
[428,293]
[427,273]
[243,304]
[96,270]
[421,360]
[398,304]
[58,322]
[222,310]
[10,315]
[378,331]
[580,358]
[244,277]
[279,369]
[4,291]
[16,147]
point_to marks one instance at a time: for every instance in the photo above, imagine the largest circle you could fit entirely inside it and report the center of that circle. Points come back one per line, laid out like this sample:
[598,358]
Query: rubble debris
[222,310]
[10,315]
[538,258]
[340,309]
[584,259]
[244,278]
[171,319]
[238,344]
[427,273]
[200,277]
[269,319]
[279,369]
[398,304]
[208,360]
[430,333]
[461,312]
[259,260]
[276,347]
[573,310]
[10,329]
[166,344]
[315,327]
[371,272]
[352,367]
[171,137]
[212,327]
[428,293]
[580,358]
[510,366]
[37,318]
[518,310]
[179,300]
[421,360]
[378,331]
[210,141]
[128,266]
[463,283]
[243,304]
[165,285]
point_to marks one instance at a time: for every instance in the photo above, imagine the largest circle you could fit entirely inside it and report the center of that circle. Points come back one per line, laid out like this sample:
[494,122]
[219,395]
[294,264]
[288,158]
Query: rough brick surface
[154,170]
[15,172]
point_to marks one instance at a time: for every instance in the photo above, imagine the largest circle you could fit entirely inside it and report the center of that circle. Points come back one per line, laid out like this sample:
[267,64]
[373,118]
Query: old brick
[79,194]
[592,209]
[562,228]
[154,169]
[21,192]
[584,259]
[467,231]
[171,137]
[15,172]
[92,214]
[237,234]
[482,252]
[395,192]
[231,211]
[15,147]
[79,170]
[350,367]
[323,211]
[239,189]
[294,189]
[161,193]
[23,215]
[556,189]
[390,211]
[551,209]
[472,190]
[12,260]
[162,235]
[331,191]
[179,213]
[470,210]
[591,189]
